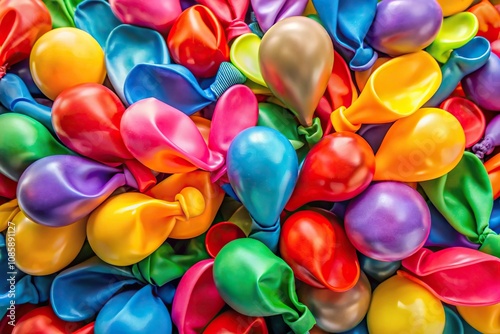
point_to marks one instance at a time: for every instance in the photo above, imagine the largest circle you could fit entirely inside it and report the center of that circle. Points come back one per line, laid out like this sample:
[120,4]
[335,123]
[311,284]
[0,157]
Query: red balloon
[315,246]
[234,322]
[22,23]
[21,310]
[220,235]
[43,320]
[470,117]
[89,329]
[86,118]
[231,13]
[198,41]
[337,168]
[7,187]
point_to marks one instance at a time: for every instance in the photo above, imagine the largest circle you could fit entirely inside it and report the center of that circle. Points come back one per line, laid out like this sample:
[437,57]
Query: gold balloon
[337,311]
[296,61]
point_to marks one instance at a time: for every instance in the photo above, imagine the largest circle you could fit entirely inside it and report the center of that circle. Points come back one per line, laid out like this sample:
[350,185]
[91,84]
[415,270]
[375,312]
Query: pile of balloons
[249,166]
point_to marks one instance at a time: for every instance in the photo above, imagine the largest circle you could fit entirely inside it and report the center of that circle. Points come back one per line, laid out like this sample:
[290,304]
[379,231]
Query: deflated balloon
[234,322]
[231,15]
[268,13]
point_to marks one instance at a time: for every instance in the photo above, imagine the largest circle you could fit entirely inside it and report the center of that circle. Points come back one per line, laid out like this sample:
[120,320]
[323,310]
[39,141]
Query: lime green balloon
[62,12]
[255,282]
[465,198]
[23,141]
[280,119]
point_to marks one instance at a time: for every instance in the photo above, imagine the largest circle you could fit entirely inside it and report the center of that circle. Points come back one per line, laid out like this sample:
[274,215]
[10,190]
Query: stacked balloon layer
[249,166]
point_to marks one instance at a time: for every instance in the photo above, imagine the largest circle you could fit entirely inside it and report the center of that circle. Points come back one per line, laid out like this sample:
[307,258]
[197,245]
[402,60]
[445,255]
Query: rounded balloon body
[337,311]
[64,58]
[400,306]
[420,147]
[451,7]
[336,169]
[405,26]
[470,117]
[388,222]
[482,85]
[197,41]
[44,320]
[296,61]
[482,318]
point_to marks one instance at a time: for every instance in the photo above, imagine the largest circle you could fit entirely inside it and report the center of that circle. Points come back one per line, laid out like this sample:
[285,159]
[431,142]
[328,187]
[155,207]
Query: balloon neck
[305,320]
[3,70]
[138,176]
[220,175]
[313,133]
[227,76]
[236,28]
[268,235]
[341,123]
[484,147]
[191,201]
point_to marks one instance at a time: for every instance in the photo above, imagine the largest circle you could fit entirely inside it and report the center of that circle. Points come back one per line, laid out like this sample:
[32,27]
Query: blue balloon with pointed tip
[96,18]
[348,22]
[128,46]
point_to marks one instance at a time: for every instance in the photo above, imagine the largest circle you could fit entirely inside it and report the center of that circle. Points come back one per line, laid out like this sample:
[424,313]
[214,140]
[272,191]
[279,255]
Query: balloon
[418,76]
[233,322]
[22,70]
[348,29]
[280,119]
[255,282]
[268,13]
[231,15]
[22,142]
[21,310]
[198,42]
[404,26]
[378,270]
[338,168]
[43,320]
[464,197]
[244,54]
[400,306]
[96,18]
[7,187]
[451,7]
[374,134]
[262,168]
[185,92]
[282,59]
[64,58]
[470,117]
[397,225]
[462,61]
[489,18]
[62,12]
[444,272]
[482,85]
[456,31]
[482,318]
[337,311]
[314,245]
[363,76]
[429,143]
[23,22]
[42,250]
[492,168]
[87,120]
[62,189]
[491,139]
[196,300]
[143,125]
[220,235]
[157,16]
[128,46]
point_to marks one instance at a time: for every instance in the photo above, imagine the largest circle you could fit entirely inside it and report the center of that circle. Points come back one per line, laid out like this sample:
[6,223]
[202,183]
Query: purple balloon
[491,139]
[268,12]
[374,134]
[389,221]
[405,26]
[483,85]
[62,189]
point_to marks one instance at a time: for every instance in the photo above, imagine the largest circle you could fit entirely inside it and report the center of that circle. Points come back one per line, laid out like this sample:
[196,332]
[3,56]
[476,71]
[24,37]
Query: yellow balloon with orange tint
[66,57]
[420,147]
[451,7]
[485,319]
[401,306]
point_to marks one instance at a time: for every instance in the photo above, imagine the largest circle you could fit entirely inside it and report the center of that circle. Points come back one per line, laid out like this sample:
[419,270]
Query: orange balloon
[493,168]
[420,147]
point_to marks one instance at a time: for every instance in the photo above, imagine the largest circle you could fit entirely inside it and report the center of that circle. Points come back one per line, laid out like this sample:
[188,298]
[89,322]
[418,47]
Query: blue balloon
[177,86]
[348,22]
[463,61]
[96,18]
[133,312]
[495,216]
[128,46]
[262,167]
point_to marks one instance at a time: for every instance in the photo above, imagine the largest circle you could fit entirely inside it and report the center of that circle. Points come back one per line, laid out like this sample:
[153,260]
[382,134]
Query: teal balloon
[255,282]
[453,323]
[378,270]
[23,141]
[96,18]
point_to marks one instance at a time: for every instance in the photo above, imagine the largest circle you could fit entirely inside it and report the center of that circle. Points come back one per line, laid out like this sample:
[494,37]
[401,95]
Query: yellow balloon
[8,211]
[244,55]
[396,89]
[64,58]
[451,7]
[42,250]
[401,306]
[128,227]
[310,10]
[420,147]
[485,319]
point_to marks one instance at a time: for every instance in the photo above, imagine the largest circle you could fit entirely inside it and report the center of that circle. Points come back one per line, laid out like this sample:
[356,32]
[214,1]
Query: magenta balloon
[389,221]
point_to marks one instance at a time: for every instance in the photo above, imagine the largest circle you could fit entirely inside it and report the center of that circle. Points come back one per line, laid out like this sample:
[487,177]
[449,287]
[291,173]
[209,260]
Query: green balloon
[255,282]
[281,120]
[62,12]
[168,263]
[465,198]
[23,141]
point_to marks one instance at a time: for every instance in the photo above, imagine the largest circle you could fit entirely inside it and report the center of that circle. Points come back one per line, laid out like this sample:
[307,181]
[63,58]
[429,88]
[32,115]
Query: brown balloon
[296,61]
[337,311]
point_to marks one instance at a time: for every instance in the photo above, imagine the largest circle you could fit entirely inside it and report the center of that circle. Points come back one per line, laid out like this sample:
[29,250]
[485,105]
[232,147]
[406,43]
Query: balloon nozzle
[483,148]
[341,123]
